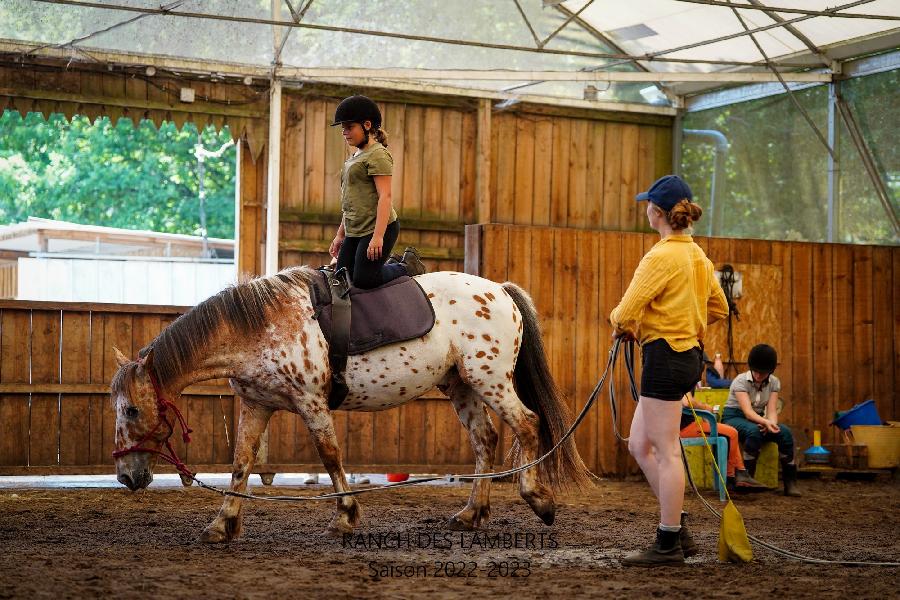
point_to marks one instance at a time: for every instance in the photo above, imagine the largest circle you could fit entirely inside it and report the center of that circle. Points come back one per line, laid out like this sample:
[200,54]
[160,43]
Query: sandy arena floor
[90,542]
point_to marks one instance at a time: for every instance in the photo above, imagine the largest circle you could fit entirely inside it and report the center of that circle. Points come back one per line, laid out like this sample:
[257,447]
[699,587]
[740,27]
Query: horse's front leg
[252,424]
[321,426]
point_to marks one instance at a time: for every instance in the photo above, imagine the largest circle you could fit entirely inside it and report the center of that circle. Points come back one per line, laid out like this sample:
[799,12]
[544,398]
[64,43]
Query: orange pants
[735,460]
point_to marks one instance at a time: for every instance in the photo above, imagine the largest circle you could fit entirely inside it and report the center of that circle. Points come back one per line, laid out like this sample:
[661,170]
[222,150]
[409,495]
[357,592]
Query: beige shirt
[359,197]
[759,394]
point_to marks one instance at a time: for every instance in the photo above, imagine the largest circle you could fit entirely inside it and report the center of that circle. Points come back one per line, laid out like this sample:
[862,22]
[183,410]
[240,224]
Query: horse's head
[141,430]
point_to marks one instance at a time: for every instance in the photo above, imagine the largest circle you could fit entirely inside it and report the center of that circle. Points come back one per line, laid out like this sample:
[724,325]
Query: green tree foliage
[116,175]
[776,172]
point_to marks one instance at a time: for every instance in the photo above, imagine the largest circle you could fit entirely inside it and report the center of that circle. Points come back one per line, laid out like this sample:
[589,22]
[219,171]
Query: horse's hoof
[339,527]
[548,516]
[457,524]
[543,507]
[213,536]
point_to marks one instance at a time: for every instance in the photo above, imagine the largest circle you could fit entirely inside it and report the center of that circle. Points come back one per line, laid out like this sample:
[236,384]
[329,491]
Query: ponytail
[381,137]
[684,214]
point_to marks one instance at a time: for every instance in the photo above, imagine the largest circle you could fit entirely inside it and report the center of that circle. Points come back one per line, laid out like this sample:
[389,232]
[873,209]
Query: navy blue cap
[666,192]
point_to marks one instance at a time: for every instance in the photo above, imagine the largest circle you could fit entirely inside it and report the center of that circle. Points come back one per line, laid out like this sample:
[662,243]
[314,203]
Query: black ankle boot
[789,474]
[665,551]
[743,480]
[412,262]
[688,546]
[750,465]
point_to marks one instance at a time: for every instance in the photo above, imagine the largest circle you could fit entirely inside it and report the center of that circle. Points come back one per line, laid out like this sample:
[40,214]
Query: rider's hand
[335,247]
[373,252]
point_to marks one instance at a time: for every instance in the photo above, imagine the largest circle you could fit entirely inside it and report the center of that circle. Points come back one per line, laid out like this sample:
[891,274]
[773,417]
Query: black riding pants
[365,273]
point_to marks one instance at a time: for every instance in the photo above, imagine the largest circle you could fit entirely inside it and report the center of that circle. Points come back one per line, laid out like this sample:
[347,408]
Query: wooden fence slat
[802,340]
[610,281]
[43,440]
[504,163]
[413,432]
[823,337]
[842,290]
[451,162]
[628,207]
[612,176]
[315,155]
[645,171]
[587,342]
[596,166]
[862,323]
[468,180]
[543,139]
[559,179]
[523,191]
[15,342]
[200,414]
[578,151]
[884,388]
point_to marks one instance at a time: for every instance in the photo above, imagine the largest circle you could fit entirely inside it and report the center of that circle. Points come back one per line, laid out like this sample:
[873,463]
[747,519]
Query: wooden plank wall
[56,362]
[837,337]
[544,169]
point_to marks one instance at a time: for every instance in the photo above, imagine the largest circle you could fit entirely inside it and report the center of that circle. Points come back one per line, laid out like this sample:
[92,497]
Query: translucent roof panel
[659,26]
[527,35]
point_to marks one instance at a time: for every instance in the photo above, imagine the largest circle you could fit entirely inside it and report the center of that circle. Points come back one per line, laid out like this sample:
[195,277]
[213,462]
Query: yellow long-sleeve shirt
[674,295]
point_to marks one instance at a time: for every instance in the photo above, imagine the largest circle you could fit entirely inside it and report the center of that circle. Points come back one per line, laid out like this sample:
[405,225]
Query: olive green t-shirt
[359,198]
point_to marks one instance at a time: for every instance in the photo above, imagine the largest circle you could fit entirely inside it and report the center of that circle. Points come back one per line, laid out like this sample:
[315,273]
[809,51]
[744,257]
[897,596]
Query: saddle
[355,321]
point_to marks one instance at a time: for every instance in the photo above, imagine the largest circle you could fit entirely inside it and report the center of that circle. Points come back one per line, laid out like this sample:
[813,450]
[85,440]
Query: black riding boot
[789,474]
[665,551]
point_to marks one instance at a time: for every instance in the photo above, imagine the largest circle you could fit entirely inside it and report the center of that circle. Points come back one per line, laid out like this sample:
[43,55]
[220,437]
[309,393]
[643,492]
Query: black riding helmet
[357,109]
[763,358]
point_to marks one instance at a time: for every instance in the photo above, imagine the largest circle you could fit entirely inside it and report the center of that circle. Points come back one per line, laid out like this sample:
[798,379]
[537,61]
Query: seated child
[737,475]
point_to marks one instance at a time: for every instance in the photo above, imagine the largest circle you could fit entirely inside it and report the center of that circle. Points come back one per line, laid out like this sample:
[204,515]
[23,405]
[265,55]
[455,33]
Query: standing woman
[672,297]
[369,226]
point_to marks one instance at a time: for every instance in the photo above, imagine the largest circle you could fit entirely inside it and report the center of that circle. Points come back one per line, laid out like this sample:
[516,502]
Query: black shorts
[666,374]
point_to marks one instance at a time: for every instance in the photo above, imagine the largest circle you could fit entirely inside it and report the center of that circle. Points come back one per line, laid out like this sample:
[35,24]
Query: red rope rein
[163,405]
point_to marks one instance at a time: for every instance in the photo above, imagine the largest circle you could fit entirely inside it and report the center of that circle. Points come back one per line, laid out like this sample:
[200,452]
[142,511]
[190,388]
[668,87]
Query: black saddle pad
[395,312]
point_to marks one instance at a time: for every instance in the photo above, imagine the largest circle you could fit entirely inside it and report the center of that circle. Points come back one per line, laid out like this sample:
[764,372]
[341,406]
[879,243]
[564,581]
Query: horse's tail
[539,392]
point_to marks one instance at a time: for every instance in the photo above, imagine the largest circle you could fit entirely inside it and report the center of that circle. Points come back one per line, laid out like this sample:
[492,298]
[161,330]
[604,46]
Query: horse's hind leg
[252,423]
[321,426]
[524,423]
[473,415]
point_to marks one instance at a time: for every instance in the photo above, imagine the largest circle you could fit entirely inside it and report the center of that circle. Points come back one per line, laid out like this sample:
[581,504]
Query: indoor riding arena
[148,448]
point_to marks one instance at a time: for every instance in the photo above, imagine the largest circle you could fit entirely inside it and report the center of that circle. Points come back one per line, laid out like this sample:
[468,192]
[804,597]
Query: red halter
[163,404]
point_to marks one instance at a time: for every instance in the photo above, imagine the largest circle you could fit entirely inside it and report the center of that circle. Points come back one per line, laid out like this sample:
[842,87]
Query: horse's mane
[242,307]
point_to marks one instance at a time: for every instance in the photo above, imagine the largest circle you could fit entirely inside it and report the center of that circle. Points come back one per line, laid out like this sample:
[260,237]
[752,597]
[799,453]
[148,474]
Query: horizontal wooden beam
[591,114]
[293,215]
[322,246]
[103,388]
[156,309]
[579,76]
[99,388]
[197,107]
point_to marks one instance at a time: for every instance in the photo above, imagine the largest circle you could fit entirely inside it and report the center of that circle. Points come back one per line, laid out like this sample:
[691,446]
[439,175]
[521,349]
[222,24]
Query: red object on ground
[397,477]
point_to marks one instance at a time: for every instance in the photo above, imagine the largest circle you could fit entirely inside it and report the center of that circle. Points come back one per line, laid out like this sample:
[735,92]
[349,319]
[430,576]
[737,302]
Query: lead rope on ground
[629,365]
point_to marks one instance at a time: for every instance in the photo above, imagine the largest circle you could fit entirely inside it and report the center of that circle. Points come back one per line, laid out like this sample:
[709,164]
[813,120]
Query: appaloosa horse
[484,351]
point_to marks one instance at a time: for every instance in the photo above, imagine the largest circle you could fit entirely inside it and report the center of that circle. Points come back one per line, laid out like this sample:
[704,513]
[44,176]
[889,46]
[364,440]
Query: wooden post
[483,163]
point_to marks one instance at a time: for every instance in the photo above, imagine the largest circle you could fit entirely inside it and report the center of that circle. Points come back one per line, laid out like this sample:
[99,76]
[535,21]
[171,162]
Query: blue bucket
[864,413]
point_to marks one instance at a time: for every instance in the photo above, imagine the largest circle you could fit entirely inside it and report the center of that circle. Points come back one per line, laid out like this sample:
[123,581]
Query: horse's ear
[146,357]
[121,359]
